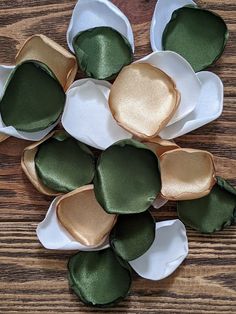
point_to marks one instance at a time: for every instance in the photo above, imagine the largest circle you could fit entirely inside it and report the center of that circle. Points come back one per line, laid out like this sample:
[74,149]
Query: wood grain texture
[34,280]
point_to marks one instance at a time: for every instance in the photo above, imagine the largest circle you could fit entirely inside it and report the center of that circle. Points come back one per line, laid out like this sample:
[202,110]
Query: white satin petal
[209,107]
[159,202]
[162,15]
[54,237]
[87,116]
[5,72]
[93,13]
[184,77]
[167,252]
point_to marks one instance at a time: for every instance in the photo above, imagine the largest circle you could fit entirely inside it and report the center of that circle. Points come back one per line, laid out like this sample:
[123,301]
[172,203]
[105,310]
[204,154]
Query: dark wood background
[34,280]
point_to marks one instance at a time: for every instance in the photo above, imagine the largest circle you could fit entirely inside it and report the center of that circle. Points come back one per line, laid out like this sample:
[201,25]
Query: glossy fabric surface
[196,34]
[143,99]
[186,174]
[127,178]
[102,52]
[99,278]
[82,216]
[33,99]
[133,235]
[64,164]
[212,212]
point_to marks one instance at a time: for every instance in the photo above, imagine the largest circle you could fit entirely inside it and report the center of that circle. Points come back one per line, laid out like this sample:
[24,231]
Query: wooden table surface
[33,279]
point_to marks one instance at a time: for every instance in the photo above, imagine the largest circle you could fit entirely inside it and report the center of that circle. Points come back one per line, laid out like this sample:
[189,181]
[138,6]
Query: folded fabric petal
[99,278]
[94,13]
[5,72]
[87,116]
[196,34]
[212,212]
[75,221]
[167,252]
[181,72]
[208,108]
[127,178]
[161,17]
[58,164]
[41,48]
[133,235]
[186,174]
[31,113]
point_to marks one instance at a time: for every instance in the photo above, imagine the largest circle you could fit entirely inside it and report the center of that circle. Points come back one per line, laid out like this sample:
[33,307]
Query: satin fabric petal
[82,216]
[59,60]
[167,252]
[23,107]
[212,212]
[127,178]
[115,52]
[87,116]
[99,278]
[93,13]
[133,235]
[196,34]
[181,72]
[161,16]
[186,174]
[209,107]
[64,164]
[143,99]
[53,236]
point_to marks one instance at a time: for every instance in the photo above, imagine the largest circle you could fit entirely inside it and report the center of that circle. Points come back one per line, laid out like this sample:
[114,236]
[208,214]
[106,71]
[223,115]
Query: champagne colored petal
[186,80]
[143,99]
[167,252]
[41,48]
[82,216]
[93,13]
[209,107]
[162,15]
[186,174]
[54,236]
[87,116]
[28,166]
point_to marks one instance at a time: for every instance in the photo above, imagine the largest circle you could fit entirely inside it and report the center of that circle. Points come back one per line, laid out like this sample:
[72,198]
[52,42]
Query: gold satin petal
[143,99]
[82,216]
[28,166]
[59,60]
[160,146]
[186,174]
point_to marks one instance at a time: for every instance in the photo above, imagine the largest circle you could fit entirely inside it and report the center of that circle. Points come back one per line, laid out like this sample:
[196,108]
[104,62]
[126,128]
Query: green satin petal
[133,235]
[99,278]
[64,164]
[102,52]
[127,178]
[212,212]
[196,34]
[33,99]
